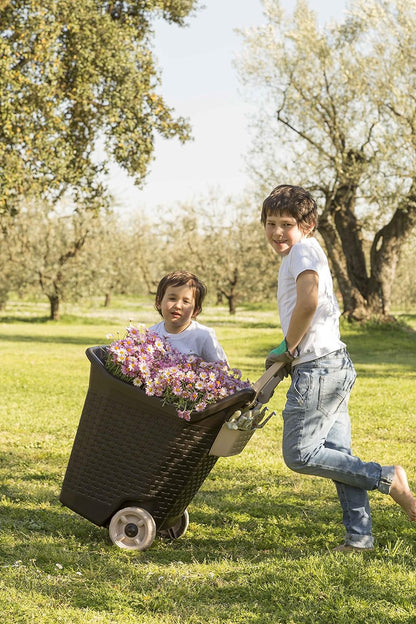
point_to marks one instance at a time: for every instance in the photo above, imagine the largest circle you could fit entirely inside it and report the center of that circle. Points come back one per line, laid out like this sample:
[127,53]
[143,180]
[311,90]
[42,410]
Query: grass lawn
[259,545]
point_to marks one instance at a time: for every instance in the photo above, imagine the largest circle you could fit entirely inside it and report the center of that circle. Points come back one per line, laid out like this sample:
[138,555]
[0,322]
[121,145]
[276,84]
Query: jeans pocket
[299,388]
[334,390]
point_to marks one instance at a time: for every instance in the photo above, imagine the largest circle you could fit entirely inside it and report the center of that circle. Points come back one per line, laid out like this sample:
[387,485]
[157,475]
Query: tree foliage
[79,84]
[337,118]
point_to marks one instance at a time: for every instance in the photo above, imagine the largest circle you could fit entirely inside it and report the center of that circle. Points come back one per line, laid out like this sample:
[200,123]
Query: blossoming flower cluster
[150,362]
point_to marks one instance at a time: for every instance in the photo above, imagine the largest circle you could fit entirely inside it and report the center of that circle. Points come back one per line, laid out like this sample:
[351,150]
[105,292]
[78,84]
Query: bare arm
[306,304]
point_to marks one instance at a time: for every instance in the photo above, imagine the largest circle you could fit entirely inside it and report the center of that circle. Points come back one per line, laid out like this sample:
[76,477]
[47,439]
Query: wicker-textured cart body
[131,451]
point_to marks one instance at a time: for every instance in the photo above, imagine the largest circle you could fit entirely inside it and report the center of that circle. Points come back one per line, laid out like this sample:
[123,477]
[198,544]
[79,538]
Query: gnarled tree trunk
[365,290]
[386,249]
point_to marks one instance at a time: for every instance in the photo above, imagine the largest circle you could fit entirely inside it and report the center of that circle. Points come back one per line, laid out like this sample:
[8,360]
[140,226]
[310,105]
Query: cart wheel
[178,529]
[132,528]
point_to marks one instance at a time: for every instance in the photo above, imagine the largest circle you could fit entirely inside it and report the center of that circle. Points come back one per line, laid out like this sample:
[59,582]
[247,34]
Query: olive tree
[106,258]
[338,117]
[43,249]
[79,86]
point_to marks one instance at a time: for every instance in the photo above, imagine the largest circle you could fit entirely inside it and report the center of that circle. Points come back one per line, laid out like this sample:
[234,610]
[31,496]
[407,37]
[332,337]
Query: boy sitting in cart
[179,298]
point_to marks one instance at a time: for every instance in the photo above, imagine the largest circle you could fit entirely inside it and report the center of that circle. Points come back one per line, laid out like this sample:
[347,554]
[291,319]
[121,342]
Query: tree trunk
[365,293]
[151,285]
[54,307]
[386,249]
[354,303]
[107,299]
[231,295]
[4,296]
[366,296]
[343,239]
[231,303]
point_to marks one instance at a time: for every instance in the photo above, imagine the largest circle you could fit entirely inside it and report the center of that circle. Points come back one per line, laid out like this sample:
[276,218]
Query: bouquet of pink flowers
[150,362]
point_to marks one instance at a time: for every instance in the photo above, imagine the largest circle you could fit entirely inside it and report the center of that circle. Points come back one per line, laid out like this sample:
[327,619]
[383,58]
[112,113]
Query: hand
[280,354]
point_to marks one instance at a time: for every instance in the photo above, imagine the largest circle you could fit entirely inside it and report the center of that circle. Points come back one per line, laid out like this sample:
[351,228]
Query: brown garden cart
[135,466]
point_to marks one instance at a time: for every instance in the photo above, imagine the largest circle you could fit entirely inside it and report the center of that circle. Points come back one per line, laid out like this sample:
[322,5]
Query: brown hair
[181,278]
[294,201]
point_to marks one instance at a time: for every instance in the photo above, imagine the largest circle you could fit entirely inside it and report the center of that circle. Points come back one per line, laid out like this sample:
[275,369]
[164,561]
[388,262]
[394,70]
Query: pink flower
[199,407]
[185,414]
[151,363]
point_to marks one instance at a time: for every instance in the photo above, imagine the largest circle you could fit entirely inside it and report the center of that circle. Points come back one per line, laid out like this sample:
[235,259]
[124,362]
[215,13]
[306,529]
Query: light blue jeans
[317,440]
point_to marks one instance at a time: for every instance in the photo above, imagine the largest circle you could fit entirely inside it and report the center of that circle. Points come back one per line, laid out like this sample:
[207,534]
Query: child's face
[282,232]
[177,308]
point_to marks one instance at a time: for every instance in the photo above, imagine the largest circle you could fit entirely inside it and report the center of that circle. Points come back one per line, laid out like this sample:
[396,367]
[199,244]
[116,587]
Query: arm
[306,303]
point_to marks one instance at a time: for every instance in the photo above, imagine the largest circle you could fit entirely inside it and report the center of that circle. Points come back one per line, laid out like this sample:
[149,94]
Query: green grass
[259,544]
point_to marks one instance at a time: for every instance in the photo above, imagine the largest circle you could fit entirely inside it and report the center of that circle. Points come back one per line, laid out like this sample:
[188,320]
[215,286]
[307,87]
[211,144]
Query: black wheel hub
[131,529]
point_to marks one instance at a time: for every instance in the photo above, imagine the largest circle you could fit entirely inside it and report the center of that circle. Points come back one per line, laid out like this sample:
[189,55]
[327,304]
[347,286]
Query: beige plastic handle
[265,385]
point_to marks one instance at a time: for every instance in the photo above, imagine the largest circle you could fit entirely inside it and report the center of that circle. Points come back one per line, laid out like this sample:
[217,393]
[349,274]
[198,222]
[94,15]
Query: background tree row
[65,255]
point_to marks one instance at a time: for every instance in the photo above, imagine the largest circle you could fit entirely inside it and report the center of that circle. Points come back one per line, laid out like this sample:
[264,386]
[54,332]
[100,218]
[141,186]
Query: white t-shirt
[196,339]
[323,336]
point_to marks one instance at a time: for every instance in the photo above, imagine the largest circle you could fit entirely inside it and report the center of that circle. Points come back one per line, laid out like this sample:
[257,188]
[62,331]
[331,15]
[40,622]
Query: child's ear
[196,312]
[308,230]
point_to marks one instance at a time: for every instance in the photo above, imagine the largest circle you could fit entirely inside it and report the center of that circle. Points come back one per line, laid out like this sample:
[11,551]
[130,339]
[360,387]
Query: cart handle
[265,385]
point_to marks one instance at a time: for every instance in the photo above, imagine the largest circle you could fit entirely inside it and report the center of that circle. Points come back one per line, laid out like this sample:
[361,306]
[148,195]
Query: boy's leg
[316,397]
[356,509]
[312,431]
[316,404]
[356,515]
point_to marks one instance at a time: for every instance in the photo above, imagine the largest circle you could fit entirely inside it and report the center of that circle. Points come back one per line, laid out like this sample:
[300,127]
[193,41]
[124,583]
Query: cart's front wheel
[178,529]
[132,528]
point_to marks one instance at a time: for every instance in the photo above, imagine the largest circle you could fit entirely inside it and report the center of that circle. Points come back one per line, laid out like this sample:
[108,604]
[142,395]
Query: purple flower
[149,362]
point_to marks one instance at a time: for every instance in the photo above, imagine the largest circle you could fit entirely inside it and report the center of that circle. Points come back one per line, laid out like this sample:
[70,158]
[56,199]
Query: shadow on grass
[81,340]
[223,523]
[33,320]
[246,324]
[65,319]
[235,521]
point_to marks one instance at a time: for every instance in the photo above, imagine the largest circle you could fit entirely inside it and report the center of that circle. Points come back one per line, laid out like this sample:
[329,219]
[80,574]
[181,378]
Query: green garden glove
[280,354]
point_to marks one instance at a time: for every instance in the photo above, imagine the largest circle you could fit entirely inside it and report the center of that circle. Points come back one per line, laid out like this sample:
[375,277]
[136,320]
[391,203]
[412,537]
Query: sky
[201,84]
